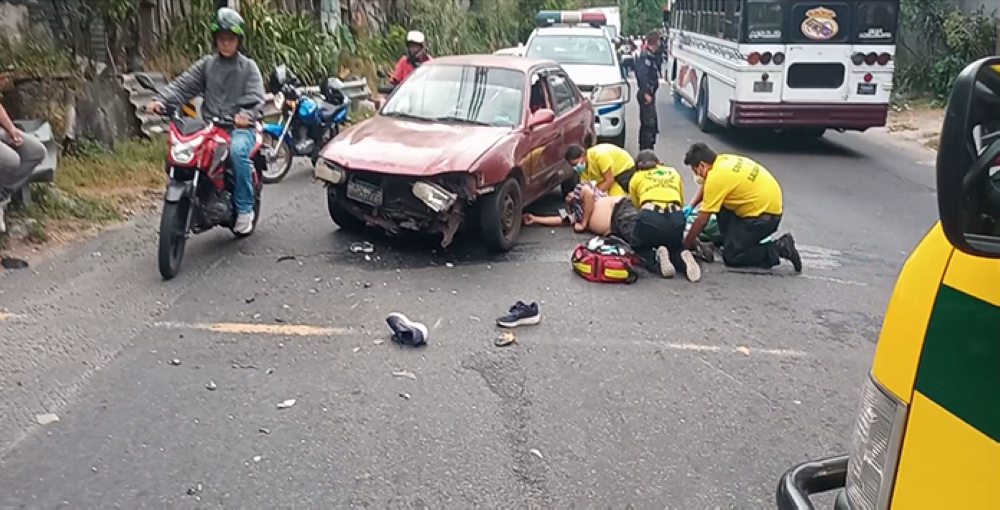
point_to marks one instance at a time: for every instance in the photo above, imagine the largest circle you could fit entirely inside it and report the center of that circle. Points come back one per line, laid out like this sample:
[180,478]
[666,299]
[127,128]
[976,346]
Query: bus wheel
[701,109]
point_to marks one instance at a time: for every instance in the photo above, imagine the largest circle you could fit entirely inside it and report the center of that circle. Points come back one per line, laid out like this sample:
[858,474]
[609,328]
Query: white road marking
[237,328]
[833,280]
[721,349]
[817,257]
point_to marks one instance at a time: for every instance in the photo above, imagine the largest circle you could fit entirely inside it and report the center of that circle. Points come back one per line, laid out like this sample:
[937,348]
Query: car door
[546,142]
[567,103]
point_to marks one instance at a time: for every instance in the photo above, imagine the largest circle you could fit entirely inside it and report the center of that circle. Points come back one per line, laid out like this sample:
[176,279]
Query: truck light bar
[549,18]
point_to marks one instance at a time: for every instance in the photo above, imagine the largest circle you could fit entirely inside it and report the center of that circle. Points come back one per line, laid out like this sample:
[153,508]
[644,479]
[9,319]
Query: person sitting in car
[607,164]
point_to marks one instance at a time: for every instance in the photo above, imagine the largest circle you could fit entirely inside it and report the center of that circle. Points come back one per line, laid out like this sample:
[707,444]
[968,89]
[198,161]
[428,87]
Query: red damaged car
[466,139]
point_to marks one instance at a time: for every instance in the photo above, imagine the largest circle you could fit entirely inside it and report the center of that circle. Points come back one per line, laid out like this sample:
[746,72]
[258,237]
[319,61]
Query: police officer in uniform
[649,80]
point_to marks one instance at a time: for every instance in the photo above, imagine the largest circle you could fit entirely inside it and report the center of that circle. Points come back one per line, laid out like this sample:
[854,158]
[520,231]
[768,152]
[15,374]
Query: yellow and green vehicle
[927,434]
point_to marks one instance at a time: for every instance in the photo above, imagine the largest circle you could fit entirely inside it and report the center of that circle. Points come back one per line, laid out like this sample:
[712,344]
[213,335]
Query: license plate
[364,193]
[867,89]
[763,86]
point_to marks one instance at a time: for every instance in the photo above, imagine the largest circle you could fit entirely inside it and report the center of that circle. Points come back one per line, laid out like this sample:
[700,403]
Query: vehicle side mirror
[541,118]
[380,74]
[145,82]
[968,161]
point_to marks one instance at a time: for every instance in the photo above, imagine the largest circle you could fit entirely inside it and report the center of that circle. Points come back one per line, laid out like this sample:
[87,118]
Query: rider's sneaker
[244,223]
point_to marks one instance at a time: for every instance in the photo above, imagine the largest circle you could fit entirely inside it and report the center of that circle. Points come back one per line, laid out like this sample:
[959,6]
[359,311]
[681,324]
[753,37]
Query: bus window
[968,162]
[813,22]
[876,22]
[765,22]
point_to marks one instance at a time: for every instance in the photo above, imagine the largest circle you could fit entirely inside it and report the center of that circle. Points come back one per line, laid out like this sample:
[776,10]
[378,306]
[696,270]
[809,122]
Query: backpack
[605,259]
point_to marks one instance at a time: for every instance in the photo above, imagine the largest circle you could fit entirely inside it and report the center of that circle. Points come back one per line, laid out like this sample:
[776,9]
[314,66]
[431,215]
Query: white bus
[798,66]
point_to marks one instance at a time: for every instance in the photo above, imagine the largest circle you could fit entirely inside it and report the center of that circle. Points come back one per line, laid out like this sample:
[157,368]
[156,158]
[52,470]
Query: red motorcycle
[199,195]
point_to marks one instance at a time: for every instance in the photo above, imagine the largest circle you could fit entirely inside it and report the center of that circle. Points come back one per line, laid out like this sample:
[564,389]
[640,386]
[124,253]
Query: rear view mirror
[145,82]
[380,74]
[968,161]
[540,118]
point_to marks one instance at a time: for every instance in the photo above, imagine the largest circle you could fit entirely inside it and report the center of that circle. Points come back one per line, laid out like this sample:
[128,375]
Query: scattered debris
[285,307]
[797,402]
[744,350]
[256,458]
[269,371]
[405,373]
[286,257]
[279,320]
[362,247]
[175,362]
[12,263]
[251,299]
[378,342]
[449,264]
[505,338]
[263,430]
[536,453]
[367,285]
[357,350]
[45,419]
[256,316]
[405,331]
[286,404]
[239,364]
[405,395]
[211,386]
[194,489]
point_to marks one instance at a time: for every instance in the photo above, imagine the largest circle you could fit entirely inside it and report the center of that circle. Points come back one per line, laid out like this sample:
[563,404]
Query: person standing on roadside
[747,201]
[19,155]
[648,80]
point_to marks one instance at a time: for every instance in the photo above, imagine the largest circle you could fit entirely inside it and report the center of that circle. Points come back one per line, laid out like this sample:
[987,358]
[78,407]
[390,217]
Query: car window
[572,49]
[456,93]
[539,94]
[562,92]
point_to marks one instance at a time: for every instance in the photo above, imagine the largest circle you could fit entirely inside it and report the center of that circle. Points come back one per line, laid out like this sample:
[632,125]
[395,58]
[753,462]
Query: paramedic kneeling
[658,237]
[746,199]
[607,164]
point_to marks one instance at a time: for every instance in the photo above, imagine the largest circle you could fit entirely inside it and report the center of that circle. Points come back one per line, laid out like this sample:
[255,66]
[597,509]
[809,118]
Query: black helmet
[330,90]
[228,20]
[646,159]
[280,77]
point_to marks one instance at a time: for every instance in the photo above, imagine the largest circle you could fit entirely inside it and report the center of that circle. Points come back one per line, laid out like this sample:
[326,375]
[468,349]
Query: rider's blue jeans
[241,142]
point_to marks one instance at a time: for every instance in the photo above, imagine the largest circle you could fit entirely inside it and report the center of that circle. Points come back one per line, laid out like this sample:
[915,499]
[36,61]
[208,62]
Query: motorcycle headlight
[609,93]
[436,197]
[182,153]
[329,171]
[874,449]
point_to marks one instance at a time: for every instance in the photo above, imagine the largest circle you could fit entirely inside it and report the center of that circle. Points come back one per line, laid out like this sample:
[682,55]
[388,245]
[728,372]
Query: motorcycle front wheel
[279,159]
[173,237]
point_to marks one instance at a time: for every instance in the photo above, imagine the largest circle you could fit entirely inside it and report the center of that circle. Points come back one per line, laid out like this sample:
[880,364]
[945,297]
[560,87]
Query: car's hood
[410,147]
[589,75]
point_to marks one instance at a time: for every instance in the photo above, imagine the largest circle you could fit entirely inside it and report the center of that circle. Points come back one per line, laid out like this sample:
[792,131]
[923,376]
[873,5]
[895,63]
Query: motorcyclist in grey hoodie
[222,79]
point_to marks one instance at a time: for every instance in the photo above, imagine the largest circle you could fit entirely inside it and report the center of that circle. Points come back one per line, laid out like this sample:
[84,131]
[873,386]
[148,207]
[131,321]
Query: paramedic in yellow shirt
[607,164]
[746,199]
[657,191]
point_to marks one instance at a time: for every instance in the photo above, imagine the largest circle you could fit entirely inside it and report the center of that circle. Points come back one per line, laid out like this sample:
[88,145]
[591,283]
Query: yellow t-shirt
[604,157]
[661,184]
[741,185]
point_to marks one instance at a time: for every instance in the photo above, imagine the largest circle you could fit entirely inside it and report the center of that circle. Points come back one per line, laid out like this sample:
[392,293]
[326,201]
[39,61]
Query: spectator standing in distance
[648,79]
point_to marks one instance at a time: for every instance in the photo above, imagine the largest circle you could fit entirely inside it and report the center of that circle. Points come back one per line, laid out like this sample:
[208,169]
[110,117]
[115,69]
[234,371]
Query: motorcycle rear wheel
[173,237]
[278,167]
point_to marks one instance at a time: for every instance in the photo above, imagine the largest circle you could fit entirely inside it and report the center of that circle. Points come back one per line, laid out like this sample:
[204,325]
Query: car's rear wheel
[342,217]
[500,216]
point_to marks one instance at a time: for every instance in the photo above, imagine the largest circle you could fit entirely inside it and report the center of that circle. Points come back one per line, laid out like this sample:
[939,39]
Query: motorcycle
[306,125]
[199,195]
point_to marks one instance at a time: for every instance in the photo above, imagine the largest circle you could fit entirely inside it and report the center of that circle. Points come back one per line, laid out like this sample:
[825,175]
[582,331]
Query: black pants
[740,239]
[649,124]
[655,228]
[623,218]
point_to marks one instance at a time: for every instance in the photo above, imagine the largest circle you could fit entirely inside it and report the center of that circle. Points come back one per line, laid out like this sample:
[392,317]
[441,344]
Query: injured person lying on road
[590,209]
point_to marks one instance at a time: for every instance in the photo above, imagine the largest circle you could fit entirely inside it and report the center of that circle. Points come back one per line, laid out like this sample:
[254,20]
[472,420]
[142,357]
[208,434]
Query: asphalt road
[661,395]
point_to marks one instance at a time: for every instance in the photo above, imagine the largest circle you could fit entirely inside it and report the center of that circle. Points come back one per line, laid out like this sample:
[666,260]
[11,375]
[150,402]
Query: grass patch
[135,164]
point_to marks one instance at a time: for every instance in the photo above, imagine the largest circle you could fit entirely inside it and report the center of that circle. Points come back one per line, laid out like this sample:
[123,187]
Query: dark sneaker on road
[691,268]
[667,269]
[405,331]
[787,250]
[521,314]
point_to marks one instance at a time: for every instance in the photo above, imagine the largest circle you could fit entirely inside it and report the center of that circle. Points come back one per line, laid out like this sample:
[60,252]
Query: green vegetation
[936,41]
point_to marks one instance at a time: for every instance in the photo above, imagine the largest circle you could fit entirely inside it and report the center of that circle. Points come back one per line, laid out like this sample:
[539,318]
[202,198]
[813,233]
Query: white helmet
[415,37]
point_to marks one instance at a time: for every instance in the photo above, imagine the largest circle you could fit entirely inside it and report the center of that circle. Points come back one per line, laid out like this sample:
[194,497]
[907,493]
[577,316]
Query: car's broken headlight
[436,197]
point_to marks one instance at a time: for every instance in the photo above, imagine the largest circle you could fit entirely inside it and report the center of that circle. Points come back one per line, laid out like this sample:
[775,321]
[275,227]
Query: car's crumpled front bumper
[813,477]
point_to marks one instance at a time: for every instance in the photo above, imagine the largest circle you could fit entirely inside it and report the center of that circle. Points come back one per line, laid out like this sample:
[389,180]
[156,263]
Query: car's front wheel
[500,216]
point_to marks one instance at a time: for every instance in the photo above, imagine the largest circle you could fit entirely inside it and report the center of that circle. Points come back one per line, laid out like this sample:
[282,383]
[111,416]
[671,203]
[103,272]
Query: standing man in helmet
[416,54]
[221,79]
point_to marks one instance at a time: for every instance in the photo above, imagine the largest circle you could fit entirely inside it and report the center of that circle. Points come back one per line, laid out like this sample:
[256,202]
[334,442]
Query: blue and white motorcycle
[306,125]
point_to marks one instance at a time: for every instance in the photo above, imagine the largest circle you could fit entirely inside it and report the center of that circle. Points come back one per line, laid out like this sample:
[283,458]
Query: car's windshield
[572,49]
[456,93]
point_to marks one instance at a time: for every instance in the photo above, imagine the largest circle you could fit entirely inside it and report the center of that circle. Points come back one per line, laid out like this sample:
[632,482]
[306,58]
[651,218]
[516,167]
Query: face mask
[698,180]
[579,167]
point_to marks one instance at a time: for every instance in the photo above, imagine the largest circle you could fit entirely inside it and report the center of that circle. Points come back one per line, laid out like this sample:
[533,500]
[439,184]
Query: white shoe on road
[3,218]
[244,223]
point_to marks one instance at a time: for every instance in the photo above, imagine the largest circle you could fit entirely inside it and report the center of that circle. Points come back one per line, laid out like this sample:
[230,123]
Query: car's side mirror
[380,73]
[541,117]
[968,161]
[145,82]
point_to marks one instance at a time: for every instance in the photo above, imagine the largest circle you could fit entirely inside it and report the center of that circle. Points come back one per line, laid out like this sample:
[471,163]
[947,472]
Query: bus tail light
[765,58]
[779,58]
[753,58]
[858,59]
[868,77]
[884,59]
[871,58]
